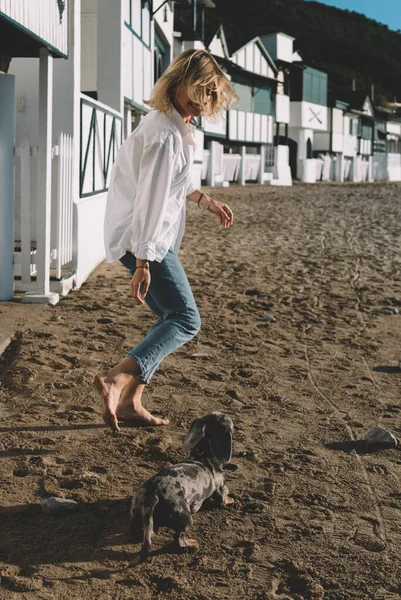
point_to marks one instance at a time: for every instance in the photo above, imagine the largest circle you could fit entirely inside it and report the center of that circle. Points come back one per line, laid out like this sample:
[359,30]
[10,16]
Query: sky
[384,11]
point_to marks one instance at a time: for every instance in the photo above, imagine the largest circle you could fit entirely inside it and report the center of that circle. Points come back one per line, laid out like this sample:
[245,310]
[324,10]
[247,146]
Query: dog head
[210,437]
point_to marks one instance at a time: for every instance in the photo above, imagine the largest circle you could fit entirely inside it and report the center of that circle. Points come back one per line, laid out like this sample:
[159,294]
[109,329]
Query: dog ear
[195,434]
[221,446]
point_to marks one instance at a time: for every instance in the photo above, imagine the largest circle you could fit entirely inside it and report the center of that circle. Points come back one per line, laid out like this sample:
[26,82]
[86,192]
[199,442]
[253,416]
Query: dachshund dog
[170,498]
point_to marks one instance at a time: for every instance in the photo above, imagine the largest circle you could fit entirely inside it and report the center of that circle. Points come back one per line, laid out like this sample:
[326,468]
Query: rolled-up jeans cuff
[140,364]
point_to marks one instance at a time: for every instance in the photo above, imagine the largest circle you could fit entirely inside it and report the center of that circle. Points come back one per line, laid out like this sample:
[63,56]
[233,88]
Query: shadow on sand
[95,533]
[359,446]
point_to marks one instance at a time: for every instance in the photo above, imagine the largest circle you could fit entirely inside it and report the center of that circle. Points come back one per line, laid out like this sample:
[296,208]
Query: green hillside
[345,44]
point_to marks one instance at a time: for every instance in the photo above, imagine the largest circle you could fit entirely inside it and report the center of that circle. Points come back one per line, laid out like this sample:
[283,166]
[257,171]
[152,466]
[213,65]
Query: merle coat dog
[171,497]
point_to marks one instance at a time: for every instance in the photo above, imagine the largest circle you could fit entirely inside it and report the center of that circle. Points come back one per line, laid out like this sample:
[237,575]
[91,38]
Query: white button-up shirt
[150,179]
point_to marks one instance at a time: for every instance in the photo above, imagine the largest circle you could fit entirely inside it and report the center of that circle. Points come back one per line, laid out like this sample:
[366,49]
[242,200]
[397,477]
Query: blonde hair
[205,83]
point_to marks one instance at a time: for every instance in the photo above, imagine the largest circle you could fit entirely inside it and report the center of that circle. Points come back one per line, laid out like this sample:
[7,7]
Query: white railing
[205,163]
[45,19]
[394,167]
[26,203]
[26,186]
[250,127]
[361,166]
[63,205]
[252,166]
[348,167]
[231,166]
[101,136]
[218,127]
[387,167]
[324,167]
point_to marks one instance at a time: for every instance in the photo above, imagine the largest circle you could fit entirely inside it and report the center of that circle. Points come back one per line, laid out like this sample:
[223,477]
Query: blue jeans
[170,298]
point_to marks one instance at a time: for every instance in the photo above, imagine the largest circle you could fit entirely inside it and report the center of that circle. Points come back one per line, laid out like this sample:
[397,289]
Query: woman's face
[185,107]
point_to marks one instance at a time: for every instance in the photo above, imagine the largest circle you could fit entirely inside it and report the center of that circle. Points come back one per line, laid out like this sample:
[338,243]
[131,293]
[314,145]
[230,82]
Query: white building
[345,151]
[308,110]
[254,125]
[244,144]
[387,145]
[71,117]
[32,33]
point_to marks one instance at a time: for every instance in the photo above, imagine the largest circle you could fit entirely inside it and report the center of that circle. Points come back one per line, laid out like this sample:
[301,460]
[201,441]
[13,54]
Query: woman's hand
[140,284]
[222,211]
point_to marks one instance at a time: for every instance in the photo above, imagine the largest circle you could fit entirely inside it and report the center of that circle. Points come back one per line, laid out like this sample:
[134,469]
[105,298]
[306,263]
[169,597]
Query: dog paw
[188,545]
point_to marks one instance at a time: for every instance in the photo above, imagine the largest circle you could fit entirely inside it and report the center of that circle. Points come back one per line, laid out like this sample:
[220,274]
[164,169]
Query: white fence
[218,127]
[231,166]
[26,201]
[26,188]
[324,167]
[252,167]
[63,206]
[394,167]
[227,167]
[250,127]
[348,168]
[387,167]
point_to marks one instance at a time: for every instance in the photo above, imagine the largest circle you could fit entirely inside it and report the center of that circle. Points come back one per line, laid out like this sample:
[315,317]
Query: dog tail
[148,524]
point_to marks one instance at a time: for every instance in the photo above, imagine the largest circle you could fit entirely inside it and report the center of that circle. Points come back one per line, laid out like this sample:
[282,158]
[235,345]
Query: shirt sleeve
[151,205]
[191,187]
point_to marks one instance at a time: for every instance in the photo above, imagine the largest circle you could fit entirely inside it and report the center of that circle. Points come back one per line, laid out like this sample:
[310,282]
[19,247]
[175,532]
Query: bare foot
[228,501]
[111,396]
[130,406]
[140,415]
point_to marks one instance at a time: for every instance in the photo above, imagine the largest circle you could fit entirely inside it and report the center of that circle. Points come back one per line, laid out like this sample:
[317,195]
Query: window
[160,57]
[146,23]
[245,97]
[353,126]
[314,86]
[253,99]
[137,16]
[366,130]
[262,100]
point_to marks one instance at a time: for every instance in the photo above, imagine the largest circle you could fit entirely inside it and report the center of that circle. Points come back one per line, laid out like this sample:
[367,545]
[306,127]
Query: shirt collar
[183,128]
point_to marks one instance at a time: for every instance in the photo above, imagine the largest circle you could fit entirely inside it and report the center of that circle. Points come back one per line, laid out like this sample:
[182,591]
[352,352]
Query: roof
[354,99]
[234,44]
[387,113]
[253,78]
[18,41]
[278,33]
[239,43]
[211,31]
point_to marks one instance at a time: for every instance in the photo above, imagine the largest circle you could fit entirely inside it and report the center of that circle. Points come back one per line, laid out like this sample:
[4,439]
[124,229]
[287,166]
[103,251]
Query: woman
[145,219]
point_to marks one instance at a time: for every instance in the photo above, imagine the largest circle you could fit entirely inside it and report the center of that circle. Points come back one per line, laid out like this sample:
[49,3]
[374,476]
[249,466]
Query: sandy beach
[316,513]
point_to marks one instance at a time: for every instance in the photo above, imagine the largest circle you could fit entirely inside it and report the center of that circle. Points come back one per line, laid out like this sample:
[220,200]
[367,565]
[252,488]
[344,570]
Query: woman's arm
[152,206]
[222,211]
[140,281]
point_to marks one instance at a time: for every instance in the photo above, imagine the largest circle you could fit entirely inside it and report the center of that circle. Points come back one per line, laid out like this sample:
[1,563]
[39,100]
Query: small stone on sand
[58,506]
[389,310]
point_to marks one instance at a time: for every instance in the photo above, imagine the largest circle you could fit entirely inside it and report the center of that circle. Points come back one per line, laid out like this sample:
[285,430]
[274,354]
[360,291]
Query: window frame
[130,25]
